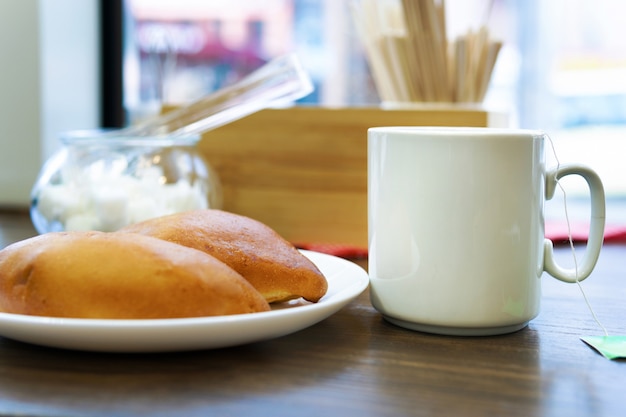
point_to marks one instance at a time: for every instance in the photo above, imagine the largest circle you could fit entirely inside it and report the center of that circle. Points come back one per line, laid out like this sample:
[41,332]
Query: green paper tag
[611,347]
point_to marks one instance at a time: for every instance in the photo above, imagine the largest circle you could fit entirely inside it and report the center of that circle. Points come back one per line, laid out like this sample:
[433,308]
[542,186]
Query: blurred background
[111,62]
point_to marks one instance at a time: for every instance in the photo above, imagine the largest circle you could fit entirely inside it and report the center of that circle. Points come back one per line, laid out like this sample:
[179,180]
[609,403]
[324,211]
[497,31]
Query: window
[562,68]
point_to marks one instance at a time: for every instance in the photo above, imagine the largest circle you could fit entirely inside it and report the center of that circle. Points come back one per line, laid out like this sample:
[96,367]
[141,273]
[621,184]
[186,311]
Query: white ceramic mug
[456,227]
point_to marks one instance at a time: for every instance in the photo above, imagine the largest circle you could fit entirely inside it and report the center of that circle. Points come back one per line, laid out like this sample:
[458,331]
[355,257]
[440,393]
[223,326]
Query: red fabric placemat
[555,231]
[341,251]
[558,232]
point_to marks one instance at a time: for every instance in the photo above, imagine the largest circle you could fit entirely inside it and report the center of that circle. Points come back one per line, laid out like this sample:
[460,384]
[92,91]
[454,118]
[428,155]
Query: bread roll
[270,263]
[118,276]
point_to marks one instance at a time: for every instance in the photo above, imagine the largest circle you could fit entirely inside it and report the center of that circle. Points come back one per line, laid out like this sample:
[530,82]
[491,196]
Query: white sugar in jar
[99,181]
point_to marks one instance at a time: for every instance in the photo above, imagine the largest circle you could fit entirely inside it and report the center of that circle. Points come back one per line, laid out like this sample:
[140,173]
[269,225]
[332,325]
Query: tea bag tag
[611,347]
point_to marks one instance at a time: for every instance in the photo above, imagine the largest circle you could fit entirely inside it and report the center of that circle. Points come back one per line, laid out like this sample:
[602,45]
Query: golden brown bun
[271,264]
[121,276]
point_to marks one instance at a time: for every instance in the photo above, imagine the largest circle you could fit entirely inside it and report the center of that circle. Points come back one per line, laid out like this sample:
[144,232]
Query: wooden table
[351,364]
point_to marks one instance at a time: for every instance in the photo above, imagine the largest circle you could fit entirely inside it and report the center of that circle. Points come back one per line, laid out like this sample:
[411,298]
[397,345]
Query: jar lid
[90,137]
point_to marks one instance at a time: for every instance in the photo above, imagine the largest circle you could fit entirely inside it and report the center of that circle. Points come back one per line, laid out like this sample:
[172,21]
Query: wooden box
[303,170]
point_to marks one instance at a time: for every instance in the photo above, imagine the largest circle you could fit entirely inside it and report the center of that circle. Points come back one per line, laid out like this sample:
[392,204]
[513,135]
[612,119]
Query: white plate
[346,281]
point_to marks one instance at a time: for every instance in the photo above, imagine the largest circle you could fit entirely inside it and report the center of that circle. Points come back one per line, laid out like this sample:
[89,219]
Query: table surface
[353,363]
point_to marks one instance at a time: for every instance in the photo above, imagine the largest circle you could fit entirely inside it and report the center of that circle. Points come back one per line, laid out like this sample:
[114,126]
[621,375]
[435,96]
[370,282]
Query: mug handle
[596,225]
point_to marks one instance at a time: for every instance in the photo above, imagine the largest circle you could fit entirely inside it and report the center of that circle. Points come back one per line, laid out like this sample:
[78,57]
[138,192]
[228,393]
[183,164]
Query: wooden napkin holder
[303,170]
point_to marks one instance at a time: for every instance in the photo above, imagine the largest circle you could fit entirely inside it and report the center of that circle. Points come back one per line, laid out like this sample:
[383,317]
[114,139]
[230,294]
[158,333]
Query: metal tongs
[277,83]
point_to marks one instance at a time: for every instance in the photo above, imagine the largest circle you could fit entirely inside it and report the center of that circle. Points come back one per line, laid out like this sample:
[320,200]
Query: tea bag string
[571,241]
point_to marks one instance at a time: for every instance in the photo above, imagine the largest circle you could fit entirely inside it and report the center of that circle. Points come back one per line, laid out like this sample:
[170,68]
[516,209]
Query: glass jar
[99,181]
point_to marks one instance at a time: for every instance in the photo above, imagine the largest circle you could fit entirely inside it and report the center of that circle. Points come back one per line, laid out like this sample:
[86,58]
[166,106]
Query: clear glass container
[100,181]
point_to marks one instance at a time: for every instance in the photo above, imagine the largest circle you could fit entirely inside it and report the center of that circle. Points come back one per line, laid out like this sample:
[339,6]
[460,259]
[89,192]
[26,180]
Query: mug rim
[456,131]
